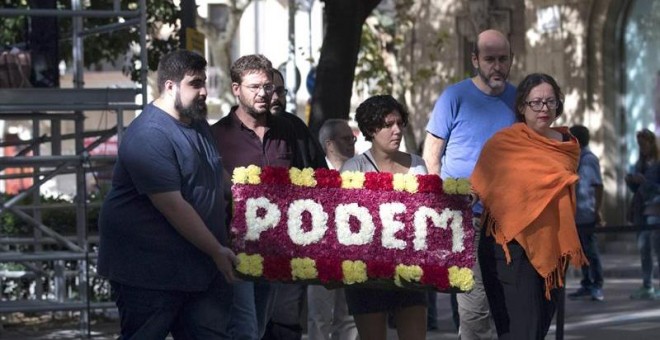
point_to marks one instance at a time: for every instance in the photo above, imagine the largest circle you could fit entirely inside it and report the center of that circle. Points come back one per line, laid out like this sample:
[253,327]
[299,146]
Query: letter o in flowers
[256,225]
[294,223]
[345,236]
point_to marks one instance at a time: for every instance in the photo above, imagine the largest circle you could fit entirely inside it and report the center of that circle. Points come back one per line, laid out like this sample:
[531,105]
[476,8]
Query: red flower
[436,276]
[429,183]
[378,181]
[329,269]
[275,175]
[277,268]
[327,178]
[380,269]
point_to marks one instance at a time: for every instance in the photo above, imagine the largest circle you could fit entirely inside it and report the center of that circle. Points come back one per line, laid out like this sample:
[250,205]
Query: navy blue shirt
[138,246]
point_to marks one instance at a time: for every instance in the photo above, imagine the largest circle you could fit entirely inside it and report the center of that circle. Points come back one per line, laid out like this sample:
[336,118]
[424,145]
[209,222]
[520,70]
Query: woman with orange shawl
[525,177]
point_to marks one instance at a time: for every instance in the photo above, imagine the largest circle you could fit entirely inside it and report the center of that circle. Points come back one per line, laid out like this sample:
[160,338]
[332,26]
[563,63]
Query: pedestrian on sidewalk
[589,197]
[644,182]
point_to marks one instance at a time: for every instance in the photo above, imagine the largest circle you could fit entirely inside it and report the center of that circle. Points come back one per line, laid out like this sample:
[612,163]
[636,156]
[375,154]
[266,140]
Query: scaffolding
[57,105]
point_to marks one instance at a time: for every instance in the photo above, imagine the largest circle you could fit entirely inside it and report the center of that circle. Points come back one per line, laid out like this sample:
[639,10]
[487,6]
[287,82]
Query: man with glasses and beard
[162,232]
[251,134]
[465,116]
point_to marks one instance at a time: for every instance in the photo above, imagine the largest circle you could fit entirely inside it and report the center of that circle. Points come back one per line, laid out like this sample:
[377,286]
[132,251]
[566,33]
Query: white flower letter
[255,224]
[345,236]
[294,223]
[442,221]
[387,213]
[420,218]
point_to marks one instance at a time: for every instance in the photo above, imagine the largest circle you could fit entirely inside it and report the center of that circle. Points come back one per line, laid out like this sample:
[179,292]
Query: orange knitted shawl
[527,185]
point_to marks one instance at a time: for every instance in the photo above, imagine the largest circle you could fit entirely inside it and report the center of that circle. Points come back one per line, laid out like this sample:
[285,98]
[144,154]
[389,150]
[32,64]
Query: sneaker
[580,293]
[597,294]
[643,293]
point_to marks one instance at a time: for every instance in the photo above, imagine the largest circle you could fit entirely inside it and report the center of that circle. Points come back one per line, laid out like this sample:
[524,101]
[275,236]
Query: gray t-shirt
[361,163]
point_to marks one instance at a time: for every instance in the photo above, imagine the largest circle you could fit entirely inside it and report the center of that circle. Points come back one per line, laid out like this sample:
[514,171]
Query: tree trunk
[336,68]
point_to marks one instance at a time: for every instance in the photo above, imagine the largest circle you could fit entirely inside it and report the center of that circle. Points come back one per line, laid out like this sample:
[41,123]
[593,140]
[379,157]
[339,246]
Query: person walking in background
[251,134]
[163,240]
[327,315]
[589,198]
[381,120]
[285,320]
[525,177]
[465,116]
[644,182]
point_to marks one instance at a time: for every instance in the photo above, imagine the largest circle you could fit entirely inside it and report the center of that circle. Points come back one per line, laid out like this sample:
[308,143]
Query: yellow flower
[449,186]
[463,186]
[461,278]
[352,180]
[409,273]
[303,269]
[303,178]
[407,182]
[252,265]
[240,175]
[253,173]
[354,271]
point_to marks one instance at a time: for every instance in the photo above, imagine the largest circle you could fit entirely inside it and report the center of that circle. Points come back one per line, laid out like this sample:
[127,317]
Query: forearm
[183,217]
[433,149]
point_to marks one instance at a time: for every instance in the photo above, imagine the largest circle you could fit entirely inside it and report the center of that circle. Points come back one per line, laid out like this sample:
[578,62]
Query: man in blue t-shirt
[162,226]
[465,116]
[588,198]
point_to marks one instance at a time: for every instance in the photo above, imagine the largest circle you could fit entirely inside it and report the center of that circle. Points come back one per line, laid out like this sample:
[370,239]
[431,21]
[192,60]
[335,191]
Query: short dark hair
[250,63]
[176,65]
[525,87]
[370,115]
[581,133]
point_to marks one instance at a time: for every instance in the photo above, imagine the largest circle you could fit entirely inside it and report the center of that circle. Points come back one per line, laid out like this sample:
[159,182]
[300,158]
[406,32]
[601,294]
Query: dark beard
[196,111]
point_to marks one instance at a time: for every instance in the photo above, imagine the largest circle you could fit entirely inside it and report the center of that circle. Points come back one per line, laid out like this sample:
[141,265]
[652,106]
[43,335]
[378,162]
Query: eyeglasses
[537,105]
[281,91]
[347,139]
[255,88]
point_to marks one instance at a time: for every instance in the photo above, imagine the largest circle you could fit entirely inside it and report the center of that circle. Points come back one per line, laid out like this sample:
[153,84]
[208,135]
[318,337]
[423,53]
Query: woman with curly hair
[381,120]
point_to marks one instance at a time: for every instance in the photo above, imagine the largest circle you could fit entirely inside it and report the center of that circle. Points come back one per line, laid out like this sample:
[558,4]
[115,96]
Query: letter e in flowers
[387,212]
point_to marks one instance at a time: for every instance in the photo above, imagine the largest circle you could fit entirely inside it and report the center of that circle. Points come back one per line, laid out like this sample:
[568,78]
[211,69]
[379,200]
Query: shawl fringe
[556,278]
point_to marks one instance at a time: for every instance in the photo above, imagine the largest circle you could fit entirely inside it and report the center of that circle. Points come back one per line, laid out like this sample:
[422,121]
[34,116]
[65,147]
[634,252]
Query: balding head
[491,39]
[492,60]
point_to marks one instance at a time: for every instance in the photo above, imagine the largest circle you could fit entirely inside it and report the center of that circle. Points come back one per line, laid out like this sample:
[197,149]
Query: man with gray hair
[338,142]
[327,316]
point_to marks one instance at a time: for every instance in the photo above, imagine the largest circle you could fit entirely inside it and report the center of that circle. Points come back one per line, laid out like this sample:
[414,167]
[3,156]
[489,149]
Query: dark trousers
[153,314]
[515,291]
[592,274]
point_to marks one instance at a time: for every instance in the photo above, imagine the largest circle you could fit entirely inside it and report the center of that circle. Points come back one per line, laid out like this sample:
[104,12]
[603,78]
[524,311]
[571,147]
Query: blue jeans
[153,314]
[647,241]
[251,310]
[592,274]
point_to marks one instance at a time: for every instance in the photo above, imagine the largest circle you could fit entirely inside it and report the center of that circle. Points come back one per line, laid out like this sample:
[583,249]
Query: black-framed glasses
[255,88]
[537,105]
[281,91]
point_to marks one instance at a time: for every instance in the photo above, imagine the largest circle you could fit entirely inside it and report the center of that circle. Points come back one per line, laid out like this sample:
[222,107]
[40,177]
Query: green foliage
[107,47]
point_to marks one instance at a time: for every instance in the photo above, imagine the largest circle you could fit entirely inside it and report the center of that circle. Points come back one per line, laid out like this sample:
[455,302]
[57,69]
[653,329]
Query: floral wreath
[320,226]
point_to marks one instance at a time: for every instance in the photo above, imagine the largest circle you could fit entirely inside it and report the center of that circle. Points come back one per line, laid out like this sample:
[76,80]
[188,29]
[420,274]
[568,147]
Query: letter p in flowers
[260,214]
